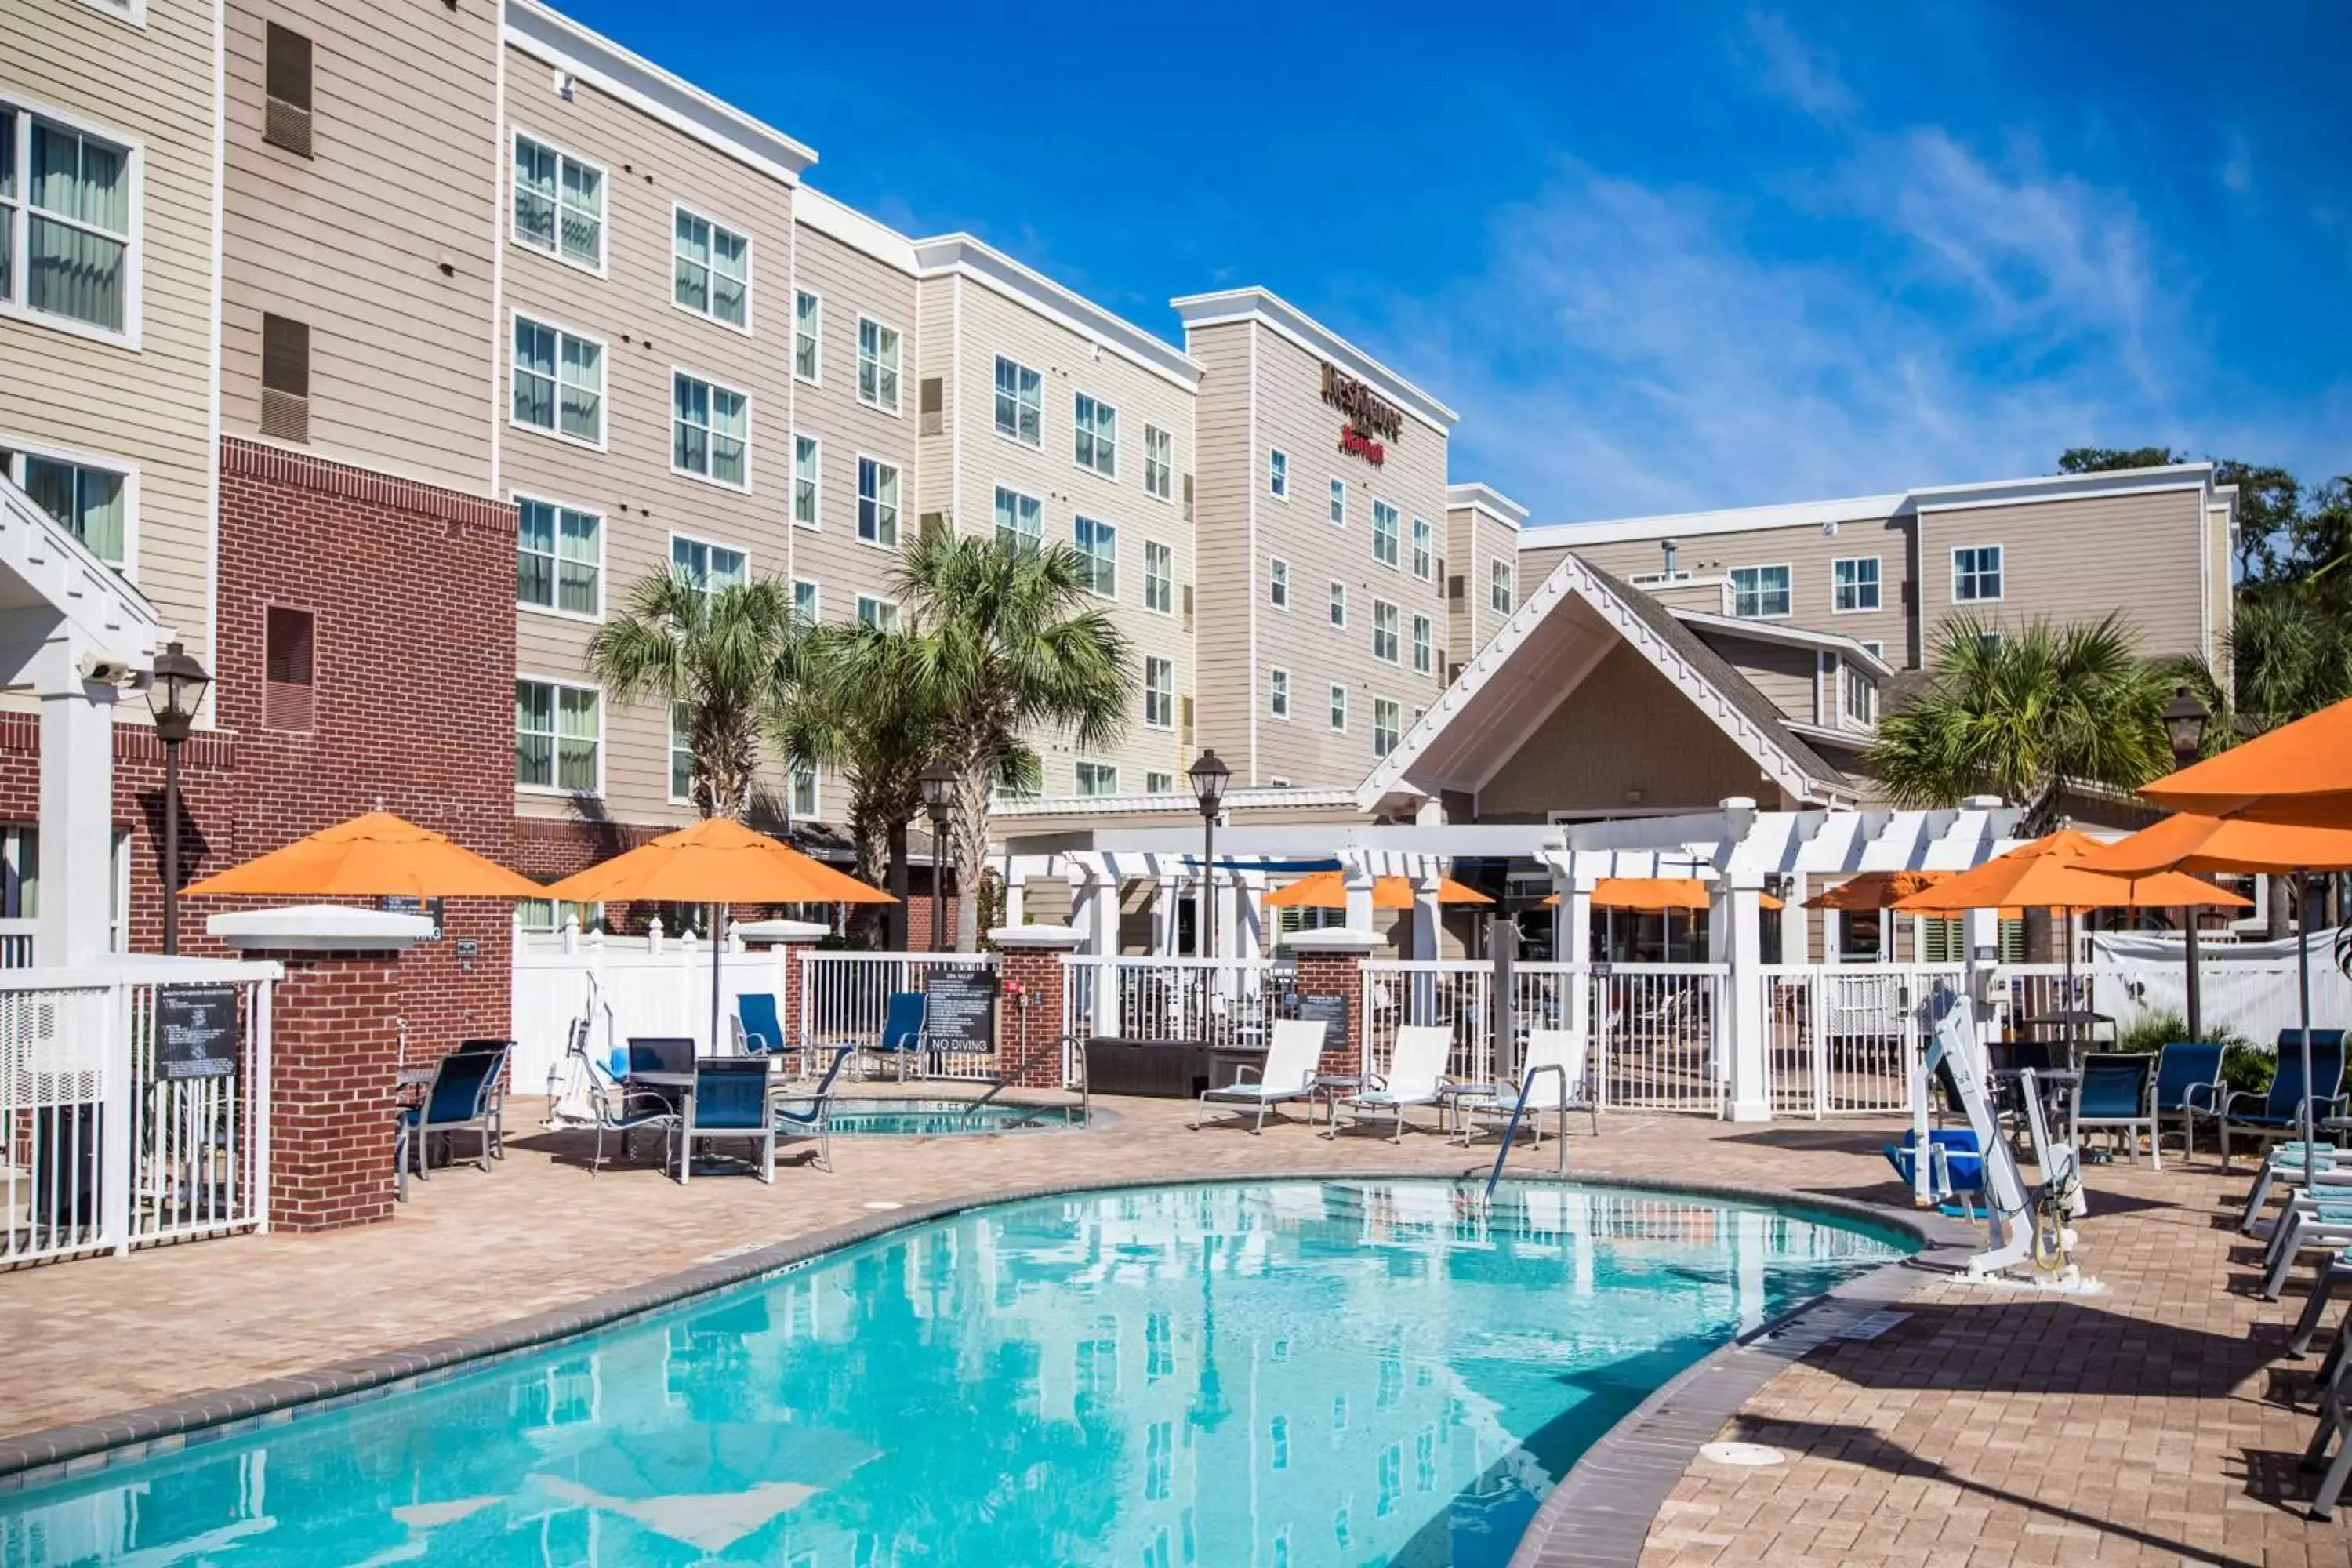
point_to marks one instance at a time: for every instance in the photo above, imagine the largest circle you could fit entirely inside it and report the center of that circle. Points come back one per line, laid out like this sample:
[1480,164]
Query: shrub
[2244,1064]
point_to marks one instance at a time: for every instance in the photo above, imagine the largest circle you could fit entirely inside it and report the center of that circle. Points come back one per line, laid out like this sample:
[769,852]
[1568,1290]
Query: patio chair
[902,1029]
[2188,1085]
[2287,1168]
[729,1104]
[812,1117]
[459,1099]
[498,1092]
[581,1095]
[1552,1078]
[1287,1073]
[1417,1070]
[2281,1112]
[2308,1222]
[759,1028]
[2114,1094]
[2334,1274]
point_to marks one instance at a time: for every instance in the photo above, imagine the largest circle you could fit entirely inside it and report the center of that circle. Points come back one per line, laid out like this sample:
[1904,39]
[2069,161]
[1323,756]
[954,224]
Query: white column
[1236,933]
[1426,916]
[1169,894]
[76,852]
[1575,937]
[1738,912]
[1980,937]
[1015,887]
[1098,916]
[1357,878]
[1793,949]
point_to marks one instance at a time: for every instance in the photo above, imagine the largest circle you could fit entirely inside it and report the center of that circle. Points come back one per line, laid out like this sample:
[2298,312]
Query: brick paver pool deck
[2151,1424]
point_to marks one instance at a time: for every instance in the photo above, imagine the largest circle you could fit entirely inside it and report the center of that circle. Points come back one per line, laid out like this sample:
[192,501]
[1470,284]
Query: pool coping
[1599,1513]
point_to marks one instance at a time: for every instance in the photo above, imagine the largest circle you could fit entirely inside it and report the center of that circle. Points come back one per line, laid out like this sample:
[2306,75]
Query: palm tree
[717,658]
[1008,642]
[2019,713]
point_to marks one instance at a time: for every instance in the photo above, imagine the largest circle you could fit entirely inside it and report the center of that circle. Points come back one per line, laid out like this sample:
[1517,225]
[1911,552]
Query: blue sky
[1658,257]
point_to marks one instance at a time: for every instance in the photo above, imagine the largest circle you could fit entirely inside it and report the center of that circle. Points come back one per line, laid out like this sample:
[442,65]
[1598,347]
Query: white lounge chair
[1287,1073]
[1415,1077]
[1552,1073]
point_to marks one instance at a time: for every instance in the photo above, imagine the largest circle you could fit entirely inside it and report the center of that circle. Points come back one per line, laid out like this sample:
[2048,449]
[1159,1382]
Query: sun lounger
[1552,1077]
[1417,1070]
[1291,1061]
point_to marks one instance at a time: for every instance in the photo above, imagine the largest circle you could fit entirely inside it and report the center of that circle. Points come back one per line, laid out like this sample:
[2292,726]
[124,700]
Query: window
[1976,573]
[808,316]
[558,203]
[806,475]
[1019,401]
[1020,519]
[559,557]
[877,614]
[804,803]
[710,431]
[1277,692]
[1340,606]
[1160,693]
[287,665]
[67,212]
[1159,462]
[710,270]
[285,87]
[1759,592]
[1159,784]
[1424,554]
[91,502]
[681,751]
[1339,503]
[1097,779]
[877,503]
[1159,577]
[1099,542]
[877,364]
[1385,630]
[559,381]
[1388,725]
[285,378]
[1339,708]
[558,730]
[1855,584]
[806,595]
[1424,645]
[546,917]
[1498,585]
[1384,534]
[1277,474]
[1096,441]
[1877,649]
[1862,935]
[707,566]
[1861,696]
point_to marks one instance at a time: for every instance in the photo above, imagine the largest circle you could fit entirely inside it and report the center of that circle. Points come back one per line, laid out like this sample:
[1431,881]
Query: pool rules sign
[195,1031]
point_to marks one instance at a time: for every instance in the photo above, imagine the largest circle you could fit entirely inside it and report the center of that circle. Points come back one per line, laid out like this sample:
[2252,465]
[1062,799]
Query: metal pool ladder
[1518,1111]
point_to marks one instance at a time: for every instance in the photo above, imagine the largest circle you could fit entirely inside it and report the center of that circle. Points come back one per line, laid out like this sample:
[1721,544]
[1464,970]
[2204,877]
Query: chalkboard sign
[195,1031]
[960,1009]
[409,904]
[1332,1012]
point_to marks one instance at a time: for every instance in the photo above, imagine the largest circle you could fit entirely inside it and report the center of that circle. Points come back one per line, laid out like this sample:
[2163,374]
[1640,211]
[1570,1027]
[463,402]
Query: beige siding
[1786,676]
[1474,539]
[2076,560]
[354,241]
[146,409]
[1229,679]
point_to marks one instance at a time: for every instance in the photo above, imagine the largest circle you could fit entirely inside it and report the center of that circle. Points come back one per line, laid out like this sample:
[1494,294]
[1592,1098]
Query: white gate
[1845,1039]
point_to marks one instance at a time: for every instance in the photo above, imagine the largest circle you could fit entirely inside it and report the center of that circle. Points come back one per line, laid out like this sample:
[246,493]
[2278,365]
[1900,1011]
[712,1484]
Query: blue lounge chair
[2188,1085]
[759,1026]
[812,1117]
[1955,1166]
[457,1099]
[2114,1093]
[729,1103]
[902,1028]
[2281,1112]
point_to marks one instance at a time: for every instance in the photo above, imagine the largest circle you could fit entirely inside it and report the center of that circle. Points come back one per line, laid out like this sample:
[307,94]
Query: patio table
[1330,1087]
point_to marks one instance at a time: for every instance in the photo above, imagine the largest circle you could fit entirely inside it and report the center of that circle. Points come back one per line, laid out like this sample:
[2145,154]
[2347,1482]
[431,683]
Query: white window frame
[1877,585]
[1163,580]
[704,541]
[670,782]
[603,546]
[1424,645]
[1277,473]
[1999,571]
[1383,512]
[1338,501]
[1159,466]
[879,603]
[106,462]
[1425,549]
[895,407]
[1019,404]
[603,266]
[1501,593]
[1166,695]
[1035,541]
[1877,649]
[1083,429]
[555,759]
[1277,583]
[1108,772]
[898,508]
[815,520]
[133,13]
[816,339]
[1852,680]
[1395,727]
[1096,559]
[1158,783]
[1787,589]
[709,432]
[16,214]
[1277,693]
[1335,609]
[1337,714]
[795,771]
[515,317]
[678,210]
[816,599]
[1393,632]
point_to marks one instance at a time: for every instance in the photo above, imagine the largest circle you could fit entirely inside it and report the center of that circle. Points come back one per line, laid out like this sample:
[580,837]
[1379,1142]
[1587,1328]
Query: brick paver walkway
[2147,1425]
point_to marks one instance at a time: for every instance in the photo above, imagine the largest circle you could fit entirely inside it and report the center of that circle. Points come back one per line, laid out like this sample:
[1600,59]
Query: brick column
[1330,964]
[1030,974]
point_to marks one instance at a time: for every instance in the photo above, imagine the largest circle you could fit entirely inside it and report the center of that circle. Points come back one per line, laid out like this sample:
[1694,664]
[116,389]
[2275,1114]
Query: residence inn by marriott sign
[1368,415]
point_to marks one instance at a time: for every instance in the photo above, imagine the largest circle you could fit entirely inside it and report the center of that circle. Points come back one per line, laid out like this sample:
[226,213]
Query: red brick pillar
[1330,964]
[1030,974]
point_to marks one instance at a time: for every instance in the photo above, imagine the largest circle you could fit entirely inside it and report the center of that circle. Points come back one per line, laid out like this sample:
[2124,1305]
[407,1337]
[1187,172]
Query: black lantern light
[173,696]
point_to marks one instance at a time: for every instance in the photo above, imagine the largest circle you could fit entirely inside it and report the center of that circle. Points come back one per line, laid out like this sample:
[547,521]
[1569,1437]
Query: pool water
[884,1116]
[1277,1373]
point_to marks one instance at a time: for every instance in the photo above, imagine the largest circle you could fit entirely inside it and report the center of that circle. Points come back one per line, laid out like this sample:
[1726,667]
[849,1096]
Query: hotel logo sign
[1371,418]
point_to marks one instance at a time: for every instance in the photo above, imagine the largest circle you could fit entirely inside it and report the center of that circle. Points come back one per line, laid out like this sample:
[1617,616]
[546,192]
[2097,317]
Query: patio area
[2146,1425]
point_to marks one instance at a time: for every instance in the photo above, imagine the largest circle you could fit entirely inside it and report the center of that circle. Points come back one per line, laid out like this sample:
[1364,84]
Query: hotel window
[1423,554]
[558,731]
[1340,606]
[710,431]
[1160,693]
[1019,401]
[877,364]
[808,317]
[1384,631]
[681,751]
[1097,779]
[711,268]
[1277,474]
[1020,519]
[91,503]
[289,641]
[1855,584]
[805,804]
[877,503]
[1424,645]
[1159,577]
[1159,784]
[1388,725]
[1861,696]
[1277,583]
[1339,708]
[1384,534]
[1159,462]
[559,381]
[66,211]
[877,614]
[805,474]
[1277,693]
[558,203]
[704,566]
[1498,585]
[546,917]
[1759,593]
[1976,573]
[1877,649]
[1099,542]
[805,597]
[1096,440]
[1339,503]
[559,557]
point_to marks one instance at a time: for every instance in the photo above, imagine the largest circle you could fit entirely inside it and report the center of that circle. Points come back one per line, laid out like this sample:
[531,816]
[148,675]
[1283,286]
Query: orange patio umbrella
[1328,890]
[2048,873]
[375,856]
[1875,889]
[1656,895]
[2298,776]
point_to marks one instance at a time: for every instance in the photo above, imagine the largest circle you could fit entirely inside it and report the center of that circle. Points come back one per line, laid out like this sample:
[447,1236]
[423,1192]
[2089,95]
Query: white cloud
[1793,70]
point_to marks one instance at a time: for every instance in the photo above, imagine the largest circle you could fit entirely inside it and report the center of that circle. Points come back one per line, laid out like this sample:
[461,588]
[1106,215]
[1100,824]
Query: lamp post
[939,785]
[2185,718]
[173,696]
[1208,778]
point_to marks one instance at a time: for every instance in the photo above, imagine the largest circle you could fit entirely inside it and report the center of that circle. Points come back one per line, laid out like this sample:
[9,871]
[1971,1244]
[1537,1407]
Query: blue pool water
[1275,1374]
[888,1117]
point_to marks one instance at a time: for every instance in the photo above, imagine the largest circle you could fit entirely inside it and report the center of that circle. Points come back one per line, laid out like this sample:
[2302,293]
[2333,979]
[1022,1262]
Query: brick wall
[331,1089]
[1337,975]
[1029,1017]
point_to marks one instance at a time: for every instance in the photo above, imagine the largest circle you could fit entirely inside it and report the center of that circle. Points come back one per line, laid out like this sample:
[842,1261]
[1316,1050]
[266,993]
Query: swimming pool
[886,1116]
[1280,1373]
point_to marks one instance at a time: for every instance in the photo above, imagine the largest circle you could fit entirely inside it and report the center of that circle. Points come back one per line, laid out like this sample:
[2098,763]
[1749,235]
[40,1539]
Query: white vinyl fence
[626,986]
[845,996]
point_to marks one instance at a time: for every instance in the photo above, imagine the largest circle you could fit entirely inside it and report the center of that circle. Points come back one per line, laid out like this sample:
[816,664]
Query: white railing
[845,995]
[16,943]
[102,1146]
[1225,1002]
[1845,1039]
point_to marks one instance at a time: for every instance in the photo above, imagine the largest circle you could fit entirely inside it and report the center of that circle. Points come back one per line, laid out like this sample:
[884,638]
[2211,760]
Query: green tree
[2021,713]
[717,659]
[1008,643]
